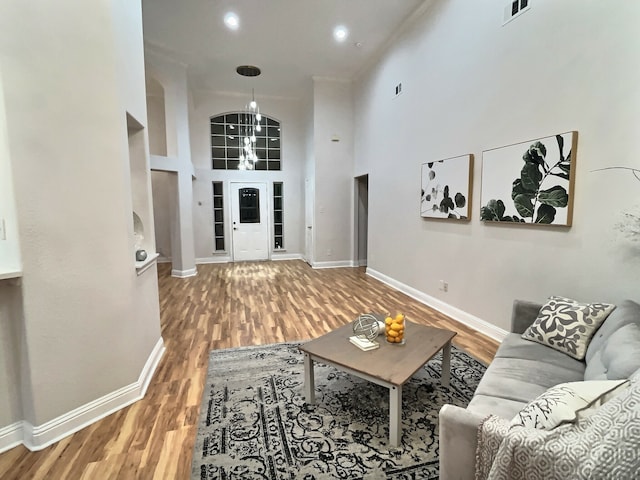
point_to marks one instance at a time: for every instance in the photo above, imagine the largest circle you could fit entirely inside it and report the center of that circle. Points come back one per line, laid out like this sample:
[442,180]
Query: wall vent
[398,90]
[514,9]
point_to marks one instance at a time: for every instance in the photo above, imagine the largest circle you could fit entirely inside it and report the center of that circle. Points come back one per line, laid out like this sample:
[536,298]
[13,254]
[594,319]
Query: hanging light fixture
[250,120]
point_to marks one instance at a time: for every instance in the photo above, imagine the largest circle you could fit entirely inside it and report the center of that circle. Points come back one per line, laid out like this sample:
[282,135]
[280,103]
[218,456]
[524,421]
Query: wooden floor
[225,305]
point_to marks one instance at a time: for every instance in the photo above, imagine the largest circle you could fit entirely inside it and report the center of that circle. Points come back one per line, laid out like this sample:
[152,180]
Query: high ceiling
[290,40]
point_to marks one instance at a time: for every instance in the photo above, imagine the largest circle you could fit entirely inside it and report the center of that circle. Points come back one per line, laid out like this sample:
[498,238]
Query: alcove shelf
[6,275]
[144,265]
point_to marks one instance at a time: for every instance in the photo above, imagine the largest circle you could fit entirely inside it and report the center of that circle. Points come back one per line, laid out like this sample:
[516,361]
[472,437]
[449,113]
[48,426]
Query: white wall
[471,84]
[164,185]
[309,176]
[9,246]
[88,323]
[10,338]
[333,161]
[155,117]
[172,77]
[290,115]
[10,293]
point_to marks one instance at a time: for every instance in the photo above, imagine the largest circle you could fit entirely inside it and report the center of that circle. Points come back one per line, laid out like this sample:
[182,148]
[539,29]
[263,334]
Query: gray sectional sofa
[522,370]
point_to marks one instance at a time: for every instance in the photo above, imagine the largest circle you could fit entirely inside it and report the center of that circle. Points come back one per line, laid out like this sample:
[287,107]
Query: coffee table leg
[446,364]
[395,415]
[309,387]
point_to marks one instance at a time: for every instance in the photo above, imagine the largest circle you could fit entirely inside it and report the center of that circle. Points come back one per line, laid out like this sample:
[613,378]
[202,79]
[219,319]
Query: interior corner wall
[290,114]
[88,323]
[470,84]
[333,129]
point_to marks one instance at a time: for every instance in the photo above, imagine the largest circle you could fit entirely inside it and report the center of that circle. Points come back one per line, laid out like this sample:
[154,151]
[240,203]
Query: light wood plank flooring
[224,306]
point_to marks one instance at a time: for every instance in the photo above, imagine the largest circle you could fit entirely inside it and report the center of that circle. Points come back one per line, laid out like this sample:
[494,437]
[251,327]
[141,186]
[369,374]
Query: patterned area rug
[254,423]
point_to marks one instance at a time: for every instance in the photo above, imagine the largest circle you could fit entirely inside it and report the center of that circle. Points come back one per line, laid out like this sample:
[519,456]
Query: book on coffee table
[363,343]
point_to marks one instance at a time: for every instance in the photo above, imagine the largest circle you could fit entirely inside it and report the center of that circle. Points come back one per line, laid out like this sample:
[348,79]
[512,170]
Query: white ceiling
[290,40]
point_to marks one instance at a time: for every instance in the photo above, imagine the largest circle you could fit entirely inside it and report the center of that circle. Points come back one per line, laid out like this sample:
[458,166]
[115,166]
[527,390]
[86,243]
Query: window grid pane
[226,141]
[278,216]
[249,201]
[218,217]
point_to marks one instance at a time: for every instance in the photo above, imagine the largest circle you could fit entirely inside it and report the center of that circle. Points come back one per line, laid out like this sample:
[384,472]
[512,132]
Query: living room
[469,84]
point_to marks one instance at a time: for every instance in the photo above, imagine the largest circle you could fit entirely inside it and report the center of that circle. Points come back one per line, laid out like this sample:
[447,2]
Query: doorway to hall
[361,220]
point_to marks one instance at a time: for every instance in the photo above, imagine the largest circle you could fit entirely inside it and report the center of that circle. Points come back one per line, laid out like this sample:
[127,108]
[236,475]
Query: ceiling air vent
[398,90]
[514,9]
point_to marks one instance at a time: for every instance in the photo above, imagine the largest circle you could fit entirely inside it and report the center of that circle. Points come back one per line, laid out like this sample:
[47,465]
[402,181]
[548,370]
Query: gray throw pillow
[567,326]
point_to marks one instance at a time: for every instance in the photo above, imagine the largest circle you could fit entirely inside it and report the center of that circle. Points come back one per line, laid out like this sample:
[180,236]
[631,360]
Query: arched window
[227,142]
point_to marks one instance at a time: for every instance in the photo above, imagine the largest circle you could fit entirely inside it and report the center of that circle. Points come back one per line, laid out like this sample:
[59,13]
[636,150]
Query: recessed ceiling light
[232,21]
[340,33]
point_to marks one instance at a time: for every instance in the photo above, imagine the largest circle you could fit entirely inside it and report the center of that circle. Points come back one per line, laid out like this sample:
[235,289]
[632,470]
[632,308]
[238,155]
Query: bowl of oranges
[394,329]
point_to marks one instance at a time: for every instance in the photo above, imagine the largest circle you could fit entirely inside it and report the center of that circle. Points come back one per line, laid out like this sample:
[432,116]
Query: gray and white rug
[254,423]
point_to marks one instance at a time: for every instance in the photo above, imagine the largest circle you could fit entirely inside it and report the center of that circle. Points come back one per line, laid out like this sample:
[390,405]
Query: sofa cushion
[619,357]
[485,405]
[627,312]
[563,403]
[522,380]
[566,325]
[514,346]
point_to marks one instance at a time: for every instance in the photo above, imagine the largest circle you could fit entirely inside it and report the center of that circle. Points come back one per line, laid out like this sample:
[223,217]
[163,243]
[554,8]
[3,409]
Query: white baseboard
[275,256]
[461,316]
[191,272]
[41,436]
[286,256]
[338,264]
[219,259]
[11,436]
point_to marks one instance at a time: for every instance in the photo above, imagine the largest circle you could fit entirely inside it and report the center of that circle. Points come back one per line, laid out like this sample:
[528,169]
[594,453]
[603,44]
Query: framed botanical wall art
[530,182]
[446,188]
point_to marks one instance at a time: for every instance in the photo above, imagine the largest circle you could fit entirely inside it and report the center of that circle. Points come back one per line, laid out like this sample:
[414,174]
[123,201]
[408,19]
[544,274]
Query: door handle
[309,227]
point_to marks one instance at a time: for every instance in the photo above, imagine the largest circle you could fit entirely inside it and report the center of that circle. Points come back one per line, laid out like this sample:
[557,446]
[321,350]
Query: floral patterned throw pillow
[566,325]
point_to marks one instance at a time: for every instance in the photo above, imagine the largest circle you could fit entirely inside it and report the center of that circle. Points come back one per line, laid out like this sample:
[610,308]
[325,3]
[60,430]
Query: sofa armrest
[458,440]
[523,315]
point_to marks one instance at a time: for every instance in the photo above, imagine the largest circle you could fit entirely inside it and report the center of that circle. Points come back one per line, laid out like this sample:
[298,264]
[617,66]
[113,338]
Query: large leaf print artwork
[530,182]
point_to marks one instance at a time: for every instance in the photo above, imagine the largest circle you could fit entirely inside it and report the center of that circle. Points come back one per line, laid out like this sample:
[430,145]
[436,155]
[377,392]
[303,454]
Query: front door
[249,215]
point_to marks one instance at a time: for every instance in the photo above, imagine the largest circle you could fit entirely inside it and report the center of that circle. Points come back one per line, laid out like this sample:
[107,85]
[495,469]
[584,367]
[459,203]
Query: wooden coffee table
[390,365]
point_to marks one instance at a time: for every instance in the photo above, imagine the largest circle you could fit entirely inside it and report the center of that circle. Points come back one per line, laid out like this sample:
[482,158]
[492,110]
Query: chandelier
[249,125]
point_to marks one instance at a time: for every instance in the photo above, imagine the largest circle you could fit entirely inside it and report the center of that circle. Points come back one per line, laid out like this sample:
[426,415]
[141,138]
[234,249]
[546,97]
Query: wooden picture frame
[446,188]
[530,183]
